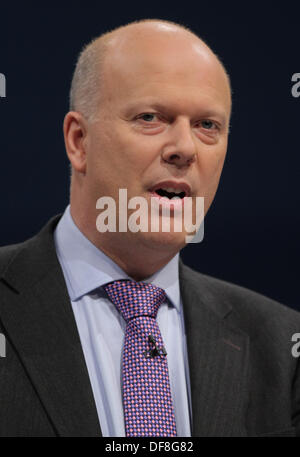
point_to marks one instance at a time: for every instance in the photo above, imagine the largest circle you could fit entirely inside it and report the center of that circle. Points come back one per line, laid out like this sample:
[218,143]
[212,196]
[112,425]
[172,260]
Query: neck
[137,257]
[137,265]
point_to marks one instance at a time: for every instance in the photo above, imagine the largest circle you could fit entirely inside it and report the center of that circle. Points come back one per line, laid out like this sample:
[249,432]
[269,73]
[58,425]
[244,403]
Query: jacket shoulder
[9,252]
[31,247]
[246,304]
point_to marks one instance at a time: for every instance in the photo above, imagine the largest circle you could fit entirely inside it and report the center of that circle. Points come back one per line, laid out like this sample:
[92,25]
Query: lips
[171,190]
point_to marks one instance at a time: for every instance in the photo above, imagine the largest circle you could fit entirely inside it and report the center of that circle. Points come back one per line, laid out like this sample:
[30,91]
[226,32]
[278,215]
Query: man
[150,110]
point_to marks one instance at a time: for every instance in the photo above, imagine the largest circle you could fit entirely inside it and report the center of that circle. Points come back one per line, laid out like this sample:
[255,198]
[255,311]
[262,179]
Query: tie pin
[155,350]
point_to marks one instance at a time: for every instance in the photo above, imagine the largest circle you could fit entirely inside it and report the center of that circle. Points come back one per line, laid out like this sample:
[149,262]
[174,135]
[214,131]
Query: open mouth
[171,190]
[172,194]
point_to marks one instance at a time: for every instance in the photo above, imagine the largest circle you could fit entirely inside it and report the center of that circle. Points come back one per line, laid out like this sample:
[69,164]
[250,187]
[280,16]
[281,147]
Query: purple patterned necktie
[148,407]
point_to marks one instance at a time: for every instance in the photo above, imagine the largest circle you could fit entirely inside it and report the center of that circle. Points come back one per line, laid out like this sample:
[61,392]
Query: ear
[74,135]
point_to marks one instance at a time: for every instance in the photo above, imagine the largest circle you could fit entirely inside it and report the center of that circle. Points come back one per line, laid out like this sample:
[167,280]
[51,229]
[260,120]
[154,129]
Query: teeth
[175,198]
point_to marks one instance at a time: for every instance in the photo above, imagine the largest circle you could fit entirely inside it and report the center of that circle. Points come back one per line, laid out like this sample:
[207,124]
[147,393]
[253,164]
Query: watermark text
[296,87]
[296,346]
[2,85]
[165,215]
[2,345]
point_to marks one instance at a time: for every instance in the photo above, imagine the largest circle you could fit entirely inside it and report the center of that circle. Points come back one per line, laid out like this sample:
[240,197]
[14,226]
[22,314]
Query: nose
[180,149]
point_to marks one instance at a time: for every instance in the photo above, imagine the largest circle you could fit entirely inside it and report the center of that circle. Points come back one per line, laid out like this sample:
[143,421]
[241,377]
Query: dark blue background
[251,231]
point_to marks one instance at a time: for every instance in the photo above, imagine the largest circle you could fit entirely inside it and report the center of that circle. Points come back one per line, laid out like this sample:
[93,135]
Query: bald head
[136,43]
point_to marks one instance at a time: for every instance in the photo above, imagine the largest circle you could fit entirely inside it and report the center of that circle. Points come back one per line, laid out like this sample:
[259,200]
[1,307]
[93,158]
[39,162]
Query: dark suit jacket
[244,379]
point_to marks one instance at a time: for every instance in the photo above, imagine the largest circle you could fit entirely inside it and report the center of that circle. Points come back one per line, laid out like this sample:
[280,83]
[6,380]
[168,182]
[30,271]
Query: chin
[165,241]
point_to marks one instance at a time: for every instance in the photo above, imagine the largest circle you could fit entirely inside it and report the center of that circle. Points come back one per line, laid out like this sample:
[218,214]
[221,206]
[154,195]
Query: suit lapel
[218,360]
[38,317]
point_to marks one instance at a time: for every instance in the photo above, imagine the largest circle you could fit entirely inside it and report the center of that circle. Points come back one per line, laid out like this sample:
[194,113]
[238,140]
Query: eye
[147,117]
[208,125]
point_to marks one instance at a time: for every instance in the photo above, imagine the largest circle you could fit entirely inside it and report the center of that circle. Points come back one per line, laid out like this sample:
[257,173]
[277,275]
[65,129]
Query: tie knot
[133,299]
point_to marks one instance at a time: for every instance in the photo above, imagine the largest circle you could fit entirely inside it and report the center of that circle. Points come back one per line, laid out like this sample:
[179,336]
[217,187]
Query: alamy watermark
[296,87]
[296,347]
[164,214]
[2,345]
[2,85]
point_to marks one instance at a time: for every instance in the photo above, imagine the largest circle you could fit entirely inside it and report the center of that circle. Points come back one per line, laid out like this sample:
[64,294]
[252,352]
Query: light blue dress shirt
[101,327]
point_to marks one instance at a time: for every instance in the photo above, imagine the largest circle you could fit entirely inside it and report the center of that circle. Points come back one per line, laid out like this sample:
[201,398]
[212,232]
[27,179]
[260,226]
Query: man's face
[162,123]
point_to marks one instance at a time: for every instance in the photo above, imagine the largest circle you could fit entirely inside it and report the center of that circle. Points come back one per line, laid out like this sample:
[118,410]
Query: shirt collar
[87,268]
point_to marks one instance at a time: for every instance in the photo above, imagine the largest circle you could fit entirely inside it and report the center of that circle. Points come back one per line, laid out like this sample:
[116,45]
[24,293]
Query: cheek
[213,161]
[137,152]
[104,153]
[119,156]
[211,169]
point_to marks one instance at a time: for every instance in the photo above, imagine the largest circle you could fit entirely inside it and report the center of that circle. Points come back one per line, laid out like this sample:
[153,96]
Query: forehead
[181,69]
